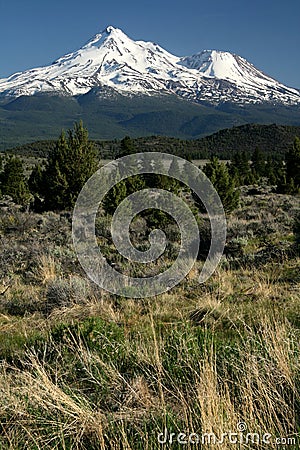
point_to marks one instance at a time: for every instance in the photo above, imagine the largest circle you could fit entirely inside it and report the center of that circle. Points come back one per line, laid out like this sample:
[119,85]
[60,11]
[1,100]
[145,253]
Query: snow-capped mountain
[114,62]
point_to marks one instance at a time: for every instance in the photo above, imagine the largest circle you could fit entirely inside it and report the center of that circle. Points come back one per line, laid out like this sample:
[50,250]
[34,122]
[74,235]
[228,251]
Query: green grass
[83,369]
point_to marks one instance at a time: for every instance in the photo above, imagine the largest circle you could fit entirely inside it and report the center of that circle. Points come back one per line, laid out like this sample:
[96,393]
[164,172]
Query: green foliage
[293,168]
[37,148]
[270,139]
[13,181]
[36,186]
[224,184]
[240,169]
[114,197]
[36,179]
[258,166]
[40,118]
[274,171]
[273,140]
[124,188]
[138,182]
[68,168]
[126,147]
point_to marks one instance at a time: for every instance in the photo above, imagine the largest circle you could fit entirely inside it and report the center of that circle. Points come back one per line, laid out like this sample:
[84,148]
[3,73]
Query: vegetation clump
[69,166]
[13,181]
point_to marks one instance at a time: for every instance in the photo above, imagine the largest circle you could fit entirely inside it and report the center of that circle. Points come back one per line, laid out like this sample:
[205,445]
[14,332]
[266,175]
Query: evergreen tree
[275,172]
[114,197]
[292,160]
[127,147]
[224,184]
[240,169]
[71,164]
[36,187]
[134,183]
[13,181]
[127,186]
[35,179]
[258,164]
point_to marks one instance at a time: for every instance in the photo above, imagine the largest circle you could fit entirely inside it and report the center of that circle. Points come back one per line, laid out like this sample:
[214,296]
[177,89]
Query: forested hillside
[271,139]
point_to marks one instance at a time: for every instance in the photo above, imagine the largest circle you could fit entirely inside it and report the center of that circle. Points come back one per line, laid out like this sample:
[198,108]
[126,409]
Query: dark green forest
[35,118]
[274,140]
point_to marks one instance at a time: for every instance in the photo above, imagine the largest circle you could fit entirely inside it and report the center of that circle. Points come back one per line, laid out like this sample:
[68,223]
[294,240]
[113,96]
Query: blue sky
[266,32]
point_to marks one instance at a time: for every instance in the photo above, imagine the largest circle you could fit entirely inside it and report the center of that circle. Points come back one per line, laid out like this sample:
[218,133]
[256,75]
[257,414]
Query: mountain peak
[211,63]
[110,29]
[108,33]
[112,60]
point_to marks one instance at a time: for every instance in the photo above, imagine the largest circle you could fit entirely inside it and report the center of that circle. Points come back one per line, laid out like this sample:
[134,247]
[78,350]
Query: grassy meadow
[83,369]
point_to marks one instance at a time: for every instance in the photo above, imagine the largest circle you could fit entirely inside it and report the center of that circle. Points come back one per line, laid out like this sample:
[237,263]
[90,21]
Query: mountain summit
[114,63]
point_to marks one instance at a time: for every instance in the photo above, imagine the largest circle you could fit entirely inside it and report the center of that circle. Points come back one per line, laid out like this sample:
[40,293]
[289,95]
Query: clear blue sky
[266,32]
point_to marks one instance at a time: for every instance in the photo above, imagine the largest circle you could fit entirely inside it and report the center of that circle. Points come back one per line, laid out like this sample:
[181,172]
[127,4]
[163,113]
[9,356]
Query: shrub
[65,292]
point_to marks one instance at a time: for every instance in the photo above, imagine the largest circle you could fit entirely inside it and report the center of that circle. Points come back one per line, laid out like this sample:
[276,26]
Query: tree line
[56,184]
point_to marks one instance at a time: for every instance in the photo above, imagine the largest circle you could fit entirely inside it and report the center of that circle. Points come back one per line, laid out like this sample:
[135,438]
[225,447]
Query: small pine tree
[114,197]
[275,172]
[36,186]
[224,184]
[258,164]
[240,169]
[127,147]
[134,183]
[13,181]
[35,179]
[293,168]
[71,164]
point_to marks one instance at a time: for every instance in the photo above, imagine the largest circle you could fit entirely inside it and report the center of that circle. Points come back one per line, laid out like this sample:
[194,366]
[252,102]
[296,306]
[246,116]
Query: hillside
[28,119]
[272,139]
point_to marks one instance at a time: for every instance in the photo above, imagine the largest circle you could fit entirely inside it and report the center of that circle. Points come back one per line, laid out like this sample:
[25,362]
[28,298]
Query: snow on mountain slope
[111,59]
[237,70]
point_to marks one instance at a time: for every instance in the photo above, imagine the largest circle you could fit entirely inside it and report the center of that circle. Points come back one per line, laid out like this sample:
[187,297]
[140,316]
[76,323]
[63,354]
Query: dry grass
[82,369]
[257,387]
[48,269]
